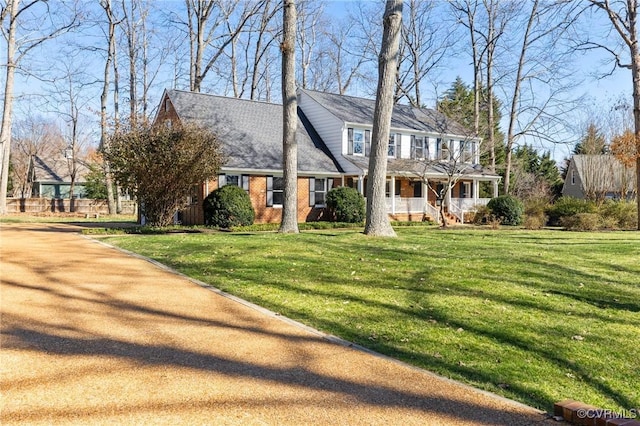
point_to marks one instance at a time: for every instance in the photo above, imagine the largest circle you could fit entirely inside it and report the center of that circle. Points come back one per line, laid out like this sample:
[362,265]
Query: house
[51,177]
[333,137]
[599,177]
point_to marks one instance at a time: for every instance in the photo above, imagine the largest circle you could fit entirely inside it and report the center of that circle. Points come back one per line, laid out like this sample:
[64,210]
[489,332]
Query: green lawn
[537,316]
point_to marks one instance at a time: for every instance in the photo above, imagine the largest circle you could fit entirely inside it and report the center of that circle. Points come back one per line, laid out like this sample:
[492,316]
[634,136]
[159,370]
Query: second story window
[467,148]
[358,141]
[419,147]
[392,145]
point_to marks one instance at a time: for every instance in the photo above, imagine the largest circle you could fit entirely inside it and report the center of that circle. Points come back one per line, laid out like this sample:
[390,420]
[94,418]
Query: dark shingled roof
[359,110]
[251,132]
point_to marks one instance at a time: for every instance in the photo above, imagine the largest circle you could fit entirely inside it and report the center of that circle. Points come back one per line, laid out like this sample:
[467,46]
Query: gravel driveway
[91,335]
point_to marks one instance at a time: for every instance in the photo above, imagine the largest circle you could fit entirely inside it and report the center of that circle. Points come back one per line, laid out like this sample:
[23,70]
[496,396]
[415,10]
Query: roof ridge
[223,97]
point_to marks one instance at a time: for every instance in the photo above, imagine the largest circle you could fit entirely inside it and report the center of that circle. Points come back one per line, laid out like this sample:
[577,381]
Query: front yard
[535,316]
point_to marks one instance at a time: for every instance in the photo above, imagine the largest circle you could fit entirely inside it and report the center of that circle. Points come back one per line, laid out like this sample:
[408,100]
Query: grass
[537,316]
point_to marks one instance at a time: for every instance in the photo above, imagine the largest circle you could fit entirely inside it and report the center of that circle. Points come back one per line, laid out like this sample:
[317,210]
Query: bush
[346,205]
[482,215]
[568,206]
[581,222]
[228,206]
[509,210]
[534,212]
[619,215]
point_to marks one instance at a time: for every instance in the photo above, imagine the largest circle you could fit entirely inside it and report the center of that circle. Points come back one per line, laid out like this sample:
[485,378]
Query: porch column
[425,196]
[342,184]
[361,184]
[448,196]
[495,188]
[476,191]
[392,193]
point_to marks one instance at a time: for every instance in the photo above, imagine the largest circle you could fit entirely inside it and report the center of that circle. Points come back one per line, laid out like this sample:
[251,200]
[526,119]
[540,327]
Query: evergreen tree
[592,143]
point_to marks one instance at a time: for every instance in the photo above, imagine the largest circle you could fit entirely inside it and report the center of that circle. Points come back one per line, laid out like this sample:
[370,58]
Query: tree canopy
[160,164]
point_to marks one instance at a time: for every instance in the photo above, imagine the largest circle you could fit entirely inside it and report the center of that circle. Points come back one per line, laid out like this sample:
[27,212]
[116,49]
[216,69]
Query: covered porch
[409,198]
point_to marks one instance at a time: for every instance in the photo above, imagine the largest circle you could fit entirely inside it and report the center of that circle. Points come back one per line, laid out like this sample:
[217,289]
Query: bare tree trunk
[5,132]
[513,114]
[635,73]
[289,222]
[104,140]
[377,221]
[491,39]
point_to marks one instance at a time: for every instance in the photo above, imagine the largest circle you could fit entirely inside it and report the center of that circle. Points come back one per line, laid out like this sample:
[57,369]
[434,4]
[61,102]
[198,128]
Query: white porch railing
[469,204]
[457,207]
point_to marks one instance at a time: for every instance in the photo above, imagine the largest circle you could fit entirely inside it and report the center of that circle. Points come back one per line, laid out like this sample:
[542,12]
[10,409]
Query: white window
[467,150]
[419,147]
[318,188]
[275,191]
[236,180]
[392,145]
[358,141]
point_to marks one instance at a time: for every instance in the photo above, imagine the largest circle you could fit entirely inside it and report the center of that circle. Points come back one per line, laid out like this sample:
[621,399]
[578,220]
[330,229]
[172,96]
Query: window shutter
[350,141]
[367,142]
[222,180]
[269,191]
[398,145]
[413,147]
[312,192]
[244,182]
[329,184]
[462,185]
[471,189]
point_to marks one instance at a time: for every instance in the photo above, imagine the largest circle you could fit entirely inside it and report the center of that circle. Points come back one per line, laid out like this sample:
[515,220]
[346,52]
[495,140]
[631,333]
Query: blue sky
[601,93]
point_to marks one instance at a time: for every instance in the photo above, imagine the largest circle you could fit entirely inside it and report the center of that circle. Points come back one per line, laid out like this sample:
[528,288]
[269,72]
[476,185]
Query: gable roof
[56,170]
[251,132]
[360,110]
[605,173]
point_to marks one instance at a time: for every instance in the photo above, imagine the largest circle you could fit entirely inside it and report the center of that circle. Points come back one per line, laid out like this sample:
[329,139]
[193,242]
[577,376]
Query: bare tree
[34,12]
[211,30]
[104,139]
[426,43]
[466,12]
[69,100]
[623,16]
[542,71]
[266,37]
[33,136]
[377,220]
[289,222]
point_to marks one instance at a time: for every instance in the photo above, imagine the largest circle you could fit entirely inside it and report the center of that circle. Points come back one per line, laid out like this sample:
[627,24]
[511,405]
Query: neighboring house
[599,177]
[51,177]
[333,138]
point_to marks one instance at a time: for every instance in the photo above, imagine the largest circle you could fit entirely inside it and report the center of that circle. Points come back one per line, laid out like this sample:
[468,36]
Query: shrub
[534,212]
[581,222]
[509,210]
[568,206]
[228,206]
[482,215]
[346,205]
[619,215]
